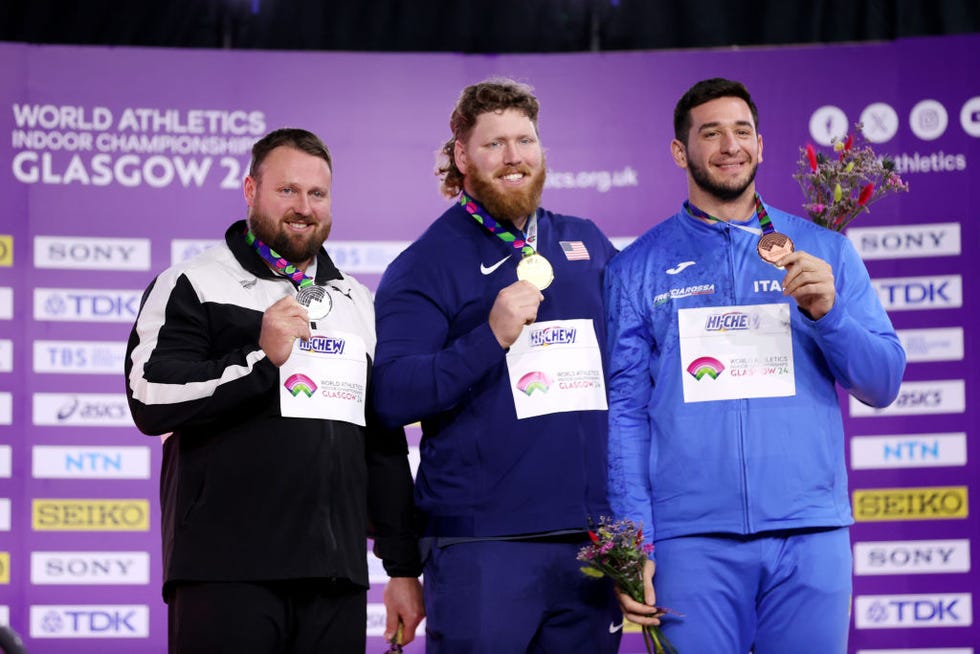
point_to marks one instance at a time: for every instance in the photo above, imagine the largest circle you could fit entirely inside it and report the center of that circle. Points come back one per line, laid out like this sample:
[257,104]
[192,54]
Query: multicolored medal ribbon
[772,245]
[533,267]
[315,298]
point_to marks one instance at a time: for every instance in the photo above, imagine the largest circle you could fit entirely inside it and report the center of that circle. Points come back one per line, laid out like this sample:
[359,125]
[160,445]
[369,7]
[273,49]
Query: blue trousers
[771,593]
[489,597]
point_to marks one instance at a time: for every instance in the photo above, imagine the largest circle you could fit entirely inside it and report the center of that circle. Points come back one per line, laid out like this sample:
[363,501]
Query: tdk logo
[552,336]
[910,293]
[891,611]
[92,253]
[90,621]
[731,321]
[94,305]
[323,345]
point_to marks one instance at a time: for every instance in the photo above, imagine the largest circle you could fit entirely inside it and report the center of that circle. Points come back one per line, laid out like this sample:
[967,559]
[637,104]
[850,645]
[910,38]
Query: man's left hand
[810,282]
[403,602]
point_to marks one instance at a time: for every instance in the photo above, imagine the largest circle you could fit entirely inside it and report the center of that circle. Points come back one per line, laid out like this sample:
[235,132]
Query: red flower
[593,537]
[811,154]
[865,194]
[849,144]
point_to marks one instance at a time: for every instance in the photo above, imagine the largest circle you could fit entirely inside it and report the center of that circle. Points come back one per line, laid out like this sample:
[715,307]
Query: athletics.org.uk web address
[600,180]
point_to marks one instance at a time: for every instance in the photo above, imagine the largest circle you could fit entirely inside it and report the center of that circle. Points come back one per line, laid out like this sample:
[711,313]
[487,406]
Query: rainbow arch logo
[705,366]
[299,383]
[533,381]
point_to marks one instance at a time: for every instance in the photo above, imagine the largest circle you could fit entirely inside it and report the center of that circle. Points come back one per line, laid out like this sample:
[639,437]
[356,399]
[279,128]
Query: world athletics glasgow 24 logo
[299,383]
[533,381]
[705,367]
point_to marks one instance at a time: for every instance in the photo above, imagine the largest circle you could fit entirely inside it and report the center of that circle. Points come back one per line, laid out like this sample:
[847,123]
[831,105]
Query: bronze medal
[536,269]
[317,301]
[774,246]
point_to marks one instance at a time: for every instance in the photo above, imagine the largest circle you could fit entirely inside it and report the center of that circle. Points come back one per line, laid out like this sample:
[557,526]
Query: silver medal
[317,301]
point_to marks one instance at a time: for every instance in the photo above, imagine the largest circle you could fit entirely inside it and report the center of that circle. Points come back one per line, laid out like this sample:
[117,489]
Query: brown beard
[294,249]
[509,204]
[722,191]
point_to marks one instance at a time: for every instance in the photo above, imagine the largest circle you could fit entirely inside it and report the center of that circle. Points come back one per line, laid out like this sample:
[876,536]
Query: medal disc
[317,301]
[774,246]
[536,269]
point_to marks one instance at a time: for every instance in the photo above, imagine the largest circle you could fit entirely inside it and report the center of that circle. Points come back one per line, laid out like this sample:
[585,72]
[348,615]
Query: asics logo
[486,270]
[679,267]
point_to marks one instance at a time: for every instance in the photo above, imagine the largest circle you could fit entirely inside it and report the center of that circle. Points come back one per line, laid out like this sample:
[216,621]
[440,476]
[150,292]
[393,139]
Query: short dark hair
[494,94]
[292,137]
[706,91]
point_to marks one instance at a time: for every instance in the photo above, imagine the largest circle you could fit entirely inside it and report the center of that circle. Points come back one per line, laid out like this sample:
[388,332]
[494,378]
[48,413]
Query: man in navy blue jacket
[489,333]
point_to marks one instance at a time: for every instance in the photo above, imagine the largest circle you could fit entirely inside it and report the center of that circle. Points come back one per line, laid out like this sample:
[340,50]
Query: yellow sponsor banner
[6,250]
[91,515]
[4,567]
[922,503]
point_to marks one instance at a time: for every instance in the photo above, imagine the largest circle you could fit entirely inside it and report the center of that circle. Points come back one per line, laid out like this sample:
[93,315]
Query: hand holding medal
[537,270]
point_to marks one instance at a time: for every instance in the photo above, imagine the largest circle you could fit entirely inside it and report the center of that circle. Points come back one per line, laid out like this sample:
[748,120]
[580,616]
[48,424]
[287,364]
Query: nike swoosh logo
[614,628]
[486,270]
[679,267]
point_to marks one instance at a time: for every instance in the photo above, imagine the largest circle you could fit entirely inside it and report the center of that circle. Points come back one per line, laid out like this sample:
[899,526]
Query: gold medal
[535,269]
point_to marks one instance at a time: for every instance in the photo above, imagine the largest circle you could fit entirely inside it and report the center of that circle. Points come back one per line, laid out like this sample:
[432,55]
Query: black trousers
[282,617]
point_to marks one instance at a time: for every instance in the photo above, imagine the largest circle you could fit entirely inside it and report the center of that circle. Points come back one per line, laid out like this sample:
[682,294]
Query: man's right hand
[283,323]
[645,614]
[516,305]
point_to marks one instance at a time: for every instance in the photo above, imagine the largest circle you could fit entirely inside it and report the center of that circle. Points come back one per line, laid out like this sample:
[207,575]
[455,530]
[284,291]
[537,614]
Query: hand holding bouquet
[617,551]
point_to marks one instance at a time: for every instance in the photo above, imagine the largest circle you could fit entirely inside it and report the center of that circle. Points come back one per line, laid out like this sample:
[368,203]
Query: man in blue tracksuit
[489,332]
[726,437]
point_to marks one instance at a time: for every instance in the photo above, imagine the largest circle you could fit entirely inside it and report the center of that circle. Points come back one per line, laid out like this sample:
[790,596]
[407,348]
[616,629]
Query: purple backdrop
[118,162]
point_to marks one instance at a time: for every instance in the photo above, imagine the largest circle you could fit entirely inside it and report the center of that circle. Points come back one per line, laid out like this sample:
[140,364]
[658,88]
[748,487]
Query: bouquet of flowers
[838,188]
[617,551]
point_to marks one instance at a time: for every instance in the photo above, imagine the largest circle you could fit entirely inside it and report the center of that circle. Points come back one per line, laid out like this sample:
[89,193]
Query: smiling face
[503,165]
[289,203]
[722,152]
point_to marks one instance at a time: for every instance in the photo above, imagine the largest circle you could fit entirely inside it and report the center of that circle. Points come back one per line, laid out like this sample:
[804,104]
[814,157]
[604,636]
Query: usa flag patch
[574,250]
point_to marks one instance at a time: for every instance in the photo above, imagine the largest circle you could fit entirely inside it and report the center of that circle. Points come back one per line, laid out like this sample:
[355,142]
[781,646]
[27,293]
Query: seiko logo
[61,462]
[908,451]
[90,621]
[910,293]
[906,241]
[81,409]
[912,557]
[91,515]
[90,568]
[81,357]
[919,398]
[928,503]
[890,611]
[92,253]
[93,305]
